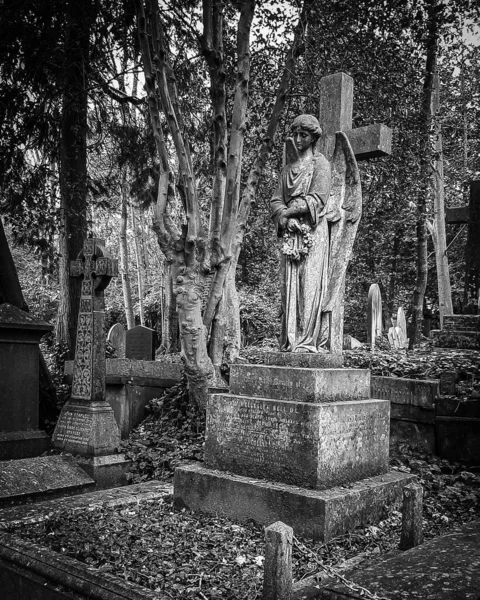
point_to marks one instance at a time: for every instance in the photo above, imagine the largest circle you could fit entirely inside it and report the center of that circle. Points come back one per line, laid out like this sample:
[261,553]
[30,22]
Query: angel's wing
[344,209]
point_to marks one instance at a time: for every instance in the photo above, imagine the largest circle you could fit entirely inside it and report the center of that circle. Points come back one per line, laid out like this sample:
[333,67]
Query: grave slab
[41,477]
[310,445]
[445,568]
[299,384]
[318,514]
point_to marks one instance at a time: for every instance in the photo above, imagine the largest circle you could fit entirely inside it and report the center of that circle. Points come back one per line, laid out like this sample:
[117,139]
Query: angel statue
[316,209]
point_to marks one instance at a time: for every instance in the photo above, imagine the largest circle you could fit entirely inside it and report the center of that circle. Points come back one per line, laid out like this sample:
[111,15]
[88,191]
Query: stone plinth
[302,359]
[300,384]
[311,445]
[20,335]
[320,466]
[321,515]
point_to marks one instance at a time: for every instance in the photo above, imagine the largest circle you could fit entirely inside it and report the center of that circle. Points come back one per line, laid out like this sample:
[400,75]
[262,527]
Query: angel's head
[305,131]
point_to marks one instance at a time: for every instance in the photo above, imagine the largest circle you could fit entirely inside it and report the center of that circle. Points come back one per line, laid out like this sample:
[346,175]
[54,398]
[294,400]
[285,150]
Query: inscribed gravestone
[374,314]
[116,336]
[401,328]
[140,343]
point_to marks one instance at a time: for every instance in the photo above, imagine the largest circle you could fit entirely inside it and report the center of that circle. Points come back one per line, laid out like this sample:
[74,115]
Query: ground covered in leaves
[184,555]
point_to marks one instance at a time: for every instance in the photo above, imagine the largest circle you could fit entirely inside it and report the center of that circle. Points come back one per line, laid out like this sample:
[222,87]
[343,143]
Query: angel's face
[302,138]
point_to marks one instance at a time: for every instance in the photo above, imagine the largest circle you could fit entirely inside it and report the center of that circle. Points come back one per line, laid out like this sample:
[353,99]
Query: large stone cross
[470,215]
[335,114]
[96,269]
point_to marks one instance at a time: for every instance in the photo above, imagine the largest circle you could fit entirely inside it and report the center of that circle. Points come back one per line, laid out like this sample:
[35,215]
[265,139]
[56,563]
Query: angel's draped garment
[304,281]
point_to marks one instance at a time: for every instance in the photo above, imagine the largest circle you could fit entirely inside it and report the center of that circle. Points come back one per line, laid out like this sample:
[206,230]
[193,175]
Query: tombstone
[116,336]
[401,328]
[140,343]
[20,335]
[470,215]
[393,335]
[298,439]
[87,426]
[374,315]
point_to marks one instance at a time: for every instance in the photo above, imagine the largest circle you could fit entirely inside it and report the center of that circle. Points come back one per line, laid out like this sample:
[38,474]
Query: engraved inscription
[75,428]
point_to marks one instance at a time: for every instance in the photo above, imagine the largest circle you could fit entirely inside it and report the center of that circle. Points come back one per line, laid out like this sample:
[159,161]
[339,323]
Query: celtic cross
[97,269]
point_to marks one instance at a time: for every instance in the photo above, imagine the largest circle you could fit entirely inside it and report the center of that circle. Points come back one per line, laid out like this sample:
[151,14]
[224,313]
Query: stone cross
[97,270]
[335,114]
[471,216]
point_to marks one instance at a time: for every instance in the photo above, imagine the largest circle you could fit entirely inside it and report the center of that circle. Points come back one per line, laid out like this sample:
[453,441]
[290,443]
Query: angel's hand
[294,225]
[283,222]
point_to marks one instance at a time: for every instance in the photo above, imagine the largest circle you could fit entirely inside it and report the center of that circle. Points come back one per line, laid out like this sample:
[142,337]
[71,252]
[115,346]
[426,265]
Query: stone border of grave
[29,570]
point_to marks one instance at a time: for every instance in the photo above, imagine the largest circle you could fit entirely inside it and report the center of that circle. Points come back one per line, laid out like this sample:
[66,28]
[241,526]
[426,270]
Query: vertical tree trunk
[422,201]
[73,164]
[438,233]
[137,234]
[124,266]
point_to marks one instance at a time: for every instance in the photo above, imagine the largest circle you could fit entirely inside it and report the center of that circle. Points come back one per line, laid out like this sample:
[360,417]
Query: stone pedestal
[304,445]
[20,335]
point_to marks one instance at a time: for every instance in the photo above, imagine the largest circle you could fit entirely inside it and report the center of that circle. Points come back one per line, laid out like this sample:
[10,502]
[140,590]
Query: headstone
[374,314]
[393,335]
[297,441]
[87,425]
[20,335]
[116,336]
[140,343]
[401,328]
[448,381]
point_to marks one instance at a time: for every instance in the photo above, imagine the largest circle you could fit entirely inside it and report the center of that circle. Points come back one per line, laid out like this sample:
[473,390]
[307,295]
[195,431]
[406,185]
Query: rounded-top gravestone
[374,314]
[116,336]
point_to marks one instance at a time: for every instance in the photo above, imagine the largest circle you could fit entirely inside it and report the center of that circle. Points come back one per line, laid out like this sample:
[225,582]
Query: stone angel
[316,209]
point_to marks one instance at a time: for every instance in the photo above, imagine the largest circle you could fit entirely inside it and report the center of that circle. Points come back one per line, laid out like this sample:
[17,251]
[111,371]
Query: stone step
[445,568]
[311,445]
[321,515]
[461,323]
[307,360]
[41,478]
[465,340]
[300,384]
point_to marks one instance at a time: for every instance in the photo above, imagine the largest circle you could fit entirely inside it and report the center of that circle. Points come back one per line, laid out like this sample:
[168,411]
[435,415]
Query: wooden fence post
[412,516]
[277,578]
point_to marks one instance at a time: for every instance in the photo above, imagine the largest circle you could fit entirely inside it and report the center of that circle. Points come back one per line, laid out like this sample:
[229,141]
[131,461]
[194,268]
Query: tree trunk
[422,202]
[73,165]
[438,234]
[124,270]
[137,234]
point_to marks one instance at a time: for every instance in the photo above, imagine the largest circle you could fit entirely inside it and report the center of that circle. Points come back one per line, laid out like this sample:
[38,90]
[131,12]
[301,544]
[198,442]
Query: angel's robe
[304,282]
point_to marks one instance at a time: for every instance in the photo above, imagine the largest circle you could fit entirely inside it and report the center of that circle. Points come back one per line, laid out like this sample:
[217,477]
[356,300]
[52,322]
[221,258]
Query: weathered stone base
[23,444]
[321,515]
[88,429]
[107,471]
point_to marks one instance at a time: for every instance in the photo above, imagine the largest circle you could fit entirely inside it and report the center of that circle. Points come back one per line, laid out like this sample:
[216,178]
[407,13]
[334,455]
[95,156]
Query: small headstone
[116,336]
[374,314]
[402,328]
[448,379]
[350,343]
[412,516]
[140,343]
[393,336]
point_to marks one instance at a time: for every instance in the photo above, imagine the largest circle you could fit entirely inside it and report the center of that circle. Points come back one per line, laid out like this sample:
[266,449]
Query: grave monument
[87,426]
[298,438]
[140,343]
[20,335]
[116,336]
